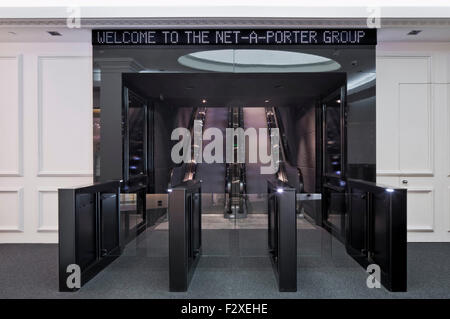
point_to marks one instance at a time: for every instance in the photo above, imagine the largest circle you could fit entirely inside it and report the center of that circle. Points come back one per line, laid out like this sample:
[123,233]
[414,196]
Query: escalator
[238,186]
[187,171]
[256,182]
[235,183]
[212,175]
[287,174]
[246,187]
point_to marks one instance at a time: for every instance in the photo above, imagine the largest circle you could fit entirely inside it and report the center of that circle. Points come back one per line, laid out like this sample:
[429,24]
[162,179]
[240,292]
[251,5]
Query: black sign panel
[236,37]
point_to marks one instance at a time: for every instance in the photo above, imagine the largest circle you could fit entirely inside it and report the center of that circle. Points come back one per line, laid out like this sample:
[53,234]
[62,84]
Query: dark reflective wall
[361,135]
[333,134]
[137,135]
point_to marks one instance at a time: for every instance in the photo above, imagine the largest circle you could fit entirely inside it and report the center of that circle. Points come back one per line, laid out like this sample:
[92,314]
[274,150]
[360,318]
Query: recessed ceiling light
[414,32]
[238,60]
[54,33]
[361,79]
[12,32]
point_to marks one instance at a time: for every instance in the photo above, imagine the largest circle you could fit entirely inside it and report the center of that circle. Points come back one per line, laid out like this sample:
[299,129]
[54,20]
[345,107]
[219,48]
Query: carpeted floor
[234,265]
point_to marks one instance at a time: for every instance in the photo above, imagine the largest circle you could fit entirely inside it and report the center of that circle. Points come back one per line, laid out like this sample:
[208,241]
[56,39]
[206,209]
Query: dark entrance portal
[289,102]
[237,185]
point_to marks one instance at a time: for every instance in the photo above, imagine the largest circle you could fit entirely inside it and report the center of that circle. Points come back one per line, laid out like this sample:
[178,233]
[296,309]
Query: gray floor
[234,265]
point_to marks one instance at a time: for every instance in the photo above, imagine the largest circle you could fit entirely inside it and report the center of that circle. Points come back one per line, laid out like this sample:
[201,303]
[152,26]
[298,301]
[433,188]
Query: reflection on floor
[234,264]
[335,220]
[252,221]
[213,203]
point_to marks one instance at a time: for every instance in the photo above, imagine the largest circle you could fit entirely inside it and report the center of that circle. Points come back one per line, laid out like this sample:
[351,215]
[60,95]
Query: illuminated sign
[236,37]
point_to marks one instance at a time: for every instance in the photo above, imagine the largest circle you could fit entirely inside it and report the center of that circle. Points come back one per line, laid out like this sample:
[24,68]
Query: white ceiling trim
[243,22]
[231,8]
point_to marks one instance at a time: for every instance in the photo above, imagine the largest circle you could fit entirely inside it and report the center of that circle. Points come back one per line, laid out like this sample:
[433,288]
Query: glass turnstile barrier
[185,233]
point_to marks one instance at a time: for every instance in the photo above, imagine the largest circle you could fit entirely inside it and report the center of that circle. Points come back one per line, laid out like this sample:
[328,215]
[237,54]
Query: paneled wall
[45,134]
[413,135]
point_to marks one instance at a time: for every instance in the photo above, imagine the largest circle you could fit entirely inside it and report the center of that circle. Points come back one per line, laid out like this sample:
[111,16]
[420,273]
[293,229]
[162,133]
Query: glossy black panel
[88,230]
[86,223]
[361,135]
[376,233]
[334,207]
[184,214]
[135,147]
[282,234]
[356,229]
[109,223]
[336,210]
[137,141]
[379,224]
[333,137]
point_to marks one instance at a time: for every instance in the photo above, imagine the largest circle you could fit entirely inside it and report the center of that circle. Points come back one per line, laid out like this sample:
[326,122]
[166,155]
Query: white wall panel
[11,142]
[413,134]
[394,75]
[412,69]
[48,210]
[446,146]
[447,210]
[65,124]
[387,117]
[392,181]
[45,134]
[415,129]
[11,210]
[420,205]
[446,103]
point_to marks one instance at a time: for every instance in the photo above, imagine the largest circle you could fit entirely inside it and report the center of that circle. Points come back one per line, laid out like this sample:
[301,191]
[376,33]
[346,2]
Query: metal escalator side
[186,171]
[191,167]
[285,170]
[235,184]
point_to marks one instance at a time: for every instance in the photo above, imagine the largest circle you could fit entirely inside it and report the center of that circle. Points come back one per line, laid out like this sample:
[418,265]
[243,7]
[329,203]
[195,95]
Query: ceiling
[40,34]
[437,34]
[235,89]
[354,61]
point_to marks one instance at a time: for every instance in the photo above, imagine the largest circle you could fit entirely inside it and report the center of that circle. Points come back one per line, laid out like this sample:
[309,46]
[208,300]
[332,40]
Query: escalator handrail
[281,173]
